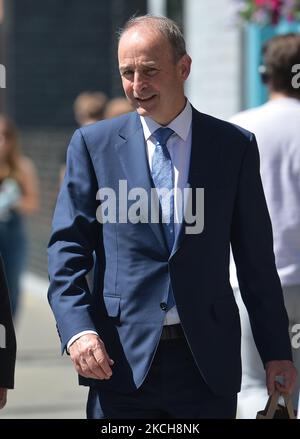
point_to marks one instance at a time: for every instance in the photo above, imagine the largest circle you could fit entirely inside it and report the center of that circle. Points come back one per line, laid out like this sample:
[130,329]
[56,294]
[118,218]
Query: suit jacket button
[164,306]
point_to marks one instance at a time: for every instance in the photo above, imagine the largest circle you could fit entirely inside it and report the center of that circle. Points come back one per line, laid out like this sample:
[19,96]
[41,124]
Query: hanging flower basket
[267,12]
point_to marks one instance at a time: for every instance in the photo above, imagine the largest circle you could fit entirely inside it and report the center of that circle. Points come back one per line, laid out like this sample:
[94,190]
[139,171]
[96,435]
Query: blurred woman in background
[18,197]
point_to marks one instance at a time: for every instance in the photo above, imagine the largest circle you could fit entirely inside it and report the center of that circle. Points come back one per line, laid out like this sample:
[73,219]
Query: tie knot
[162,135]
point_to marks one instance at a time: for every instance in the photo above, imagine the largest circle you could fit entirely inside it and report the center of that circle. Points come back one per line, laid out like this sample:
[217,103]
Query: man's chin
[147,109]
[142,111]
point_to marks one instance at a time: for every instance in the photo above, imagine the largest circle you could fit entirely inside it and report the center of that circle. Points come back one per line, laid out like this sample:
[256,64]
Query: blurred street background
[54,50]
[45,382]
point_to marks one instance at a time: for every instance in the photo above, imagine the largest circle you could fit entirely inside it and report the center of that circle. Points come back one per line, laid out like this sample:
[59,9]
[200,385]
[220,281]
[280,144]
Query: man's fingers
[105,353]
[270,382]
[104,360]
[282,375]
[88,367]
[84,370]
[96,368]
[282,388]
[284,385]
[90,358]
[270,387]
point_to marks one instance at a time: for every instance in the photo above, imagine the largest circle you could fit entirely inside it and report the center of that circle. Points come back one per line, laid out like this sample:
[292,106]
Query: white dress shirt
[179,146]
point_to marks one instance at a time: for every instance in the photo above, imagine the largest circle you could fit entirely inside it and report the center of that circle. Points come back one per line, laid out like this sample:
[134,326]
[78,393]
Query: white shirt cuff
[76,336]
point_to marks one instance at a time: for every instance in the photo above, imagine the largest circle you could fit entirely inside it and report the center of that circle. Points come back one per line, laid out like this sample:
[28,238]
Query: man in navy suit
[7,341]
[159,334]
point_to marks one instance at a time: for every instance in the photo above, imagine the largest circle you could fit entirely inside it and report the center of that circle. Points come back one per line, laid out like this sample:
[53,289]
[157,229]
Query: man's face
[151,79]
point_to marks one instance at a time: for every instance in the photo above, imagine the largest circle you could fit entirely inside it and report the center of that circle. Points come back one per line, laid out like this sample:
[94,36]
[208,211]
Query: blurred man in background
[116,107]
[89,107]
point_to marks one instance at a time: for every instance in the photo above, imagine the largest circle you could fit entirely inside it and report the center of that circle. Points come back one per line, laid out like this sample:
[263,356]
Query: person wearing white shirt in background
[276,126]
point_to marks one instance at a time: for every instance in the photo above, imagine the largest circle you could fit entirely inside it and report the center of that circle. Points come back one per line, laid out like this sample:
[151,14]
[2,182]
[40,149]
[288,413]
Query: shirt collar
[180,125]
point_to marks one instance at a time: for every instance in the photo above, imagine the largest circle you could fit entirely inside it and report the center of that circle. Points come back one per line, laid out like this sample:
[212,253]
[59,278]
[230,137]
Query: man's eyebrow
[143,64]
[149,63]
[124,66]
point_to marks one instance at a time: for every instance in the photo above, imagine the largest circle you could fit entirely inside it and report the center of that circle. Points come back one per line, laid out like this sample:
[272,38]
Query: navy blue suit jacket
[7,336]
[134,267]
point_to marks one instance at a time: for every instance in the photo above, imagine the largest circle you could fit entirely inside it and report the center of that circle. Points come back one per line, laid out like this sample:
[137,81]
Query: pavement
[46,384]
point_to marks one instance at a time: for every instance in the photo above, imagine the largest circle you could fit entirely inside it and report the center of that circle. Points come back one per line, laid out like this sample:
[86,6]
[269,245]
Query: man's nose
[139,82]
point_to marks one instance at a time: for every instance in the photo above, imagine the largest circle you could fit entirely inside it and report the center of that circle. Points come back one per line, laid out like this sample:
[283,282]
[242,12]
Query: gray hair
[166,26]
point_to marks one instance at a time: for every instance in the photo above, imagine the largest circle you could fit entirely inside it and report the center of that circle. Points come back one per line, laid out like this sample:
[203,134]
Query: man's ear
[185,66]
[263,74]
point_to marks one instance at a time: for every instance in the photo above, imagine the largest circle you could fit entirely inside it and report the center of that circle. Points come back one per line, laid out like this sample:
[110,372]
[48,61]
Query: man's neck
[279,95]
[174,115]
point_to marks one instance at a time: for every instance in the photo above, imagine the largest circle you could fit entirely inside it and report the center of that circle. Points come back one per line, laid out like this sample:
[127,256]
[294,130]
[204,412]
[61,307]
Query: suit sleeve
[73,240]
[252,246]
[7,336]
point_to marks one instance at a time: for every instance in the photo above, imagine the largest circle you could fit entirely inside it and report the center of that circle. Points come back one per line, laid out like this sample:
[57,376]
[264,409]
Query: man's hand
[284,369]
[90,358]
[3,395]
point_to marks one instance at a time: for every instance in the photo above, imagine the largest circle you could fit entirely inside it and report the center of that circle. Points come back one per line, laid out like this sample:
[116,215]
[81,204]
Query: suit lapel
[133,157]
[202,168]
[204,151]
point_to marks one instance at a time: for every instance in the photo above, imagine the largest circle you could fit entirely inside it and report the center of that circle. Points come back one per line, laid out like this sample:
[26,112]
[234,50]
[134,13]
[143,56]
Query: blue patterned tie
[162,174]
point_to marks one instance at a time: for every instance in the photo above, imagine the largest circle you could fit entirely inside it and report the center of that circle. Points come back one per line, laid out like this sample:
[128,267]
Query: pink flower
[261,2]
[268,11]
